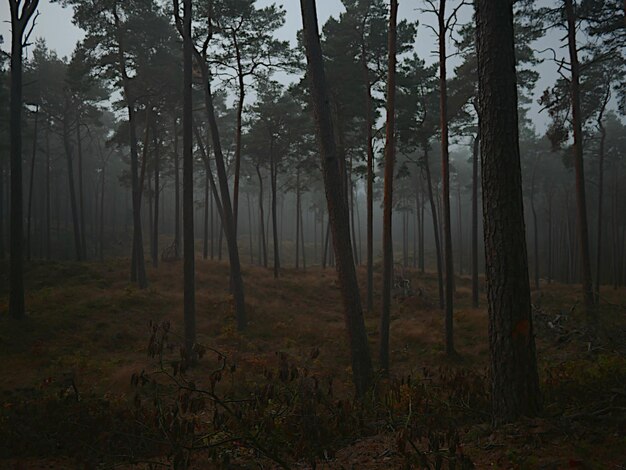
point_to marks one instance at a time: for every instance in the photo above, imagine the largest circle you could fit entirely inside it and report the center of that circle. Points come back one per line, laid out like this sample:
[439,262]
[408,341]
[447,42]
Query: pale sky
[55,25]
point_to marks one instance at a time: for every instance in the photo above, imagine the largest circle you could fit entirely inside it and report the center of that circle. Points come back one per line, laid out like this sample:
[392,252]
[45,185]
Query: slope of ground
[66,374]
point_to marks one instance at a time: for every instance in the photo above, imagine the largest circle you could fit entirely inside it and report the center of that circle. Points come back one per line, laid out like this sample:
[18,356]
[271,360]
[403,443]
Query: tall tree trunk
[177,243]
[476,148]
[273,177]
[150,193]
[30,188]
[250,225]
[302,238]
[325,260]
[18,27]
[600,195]
[238,129]
[138,268]
[2,211]
[205,233]
[73,202]
[298,218]
[445,178]
[48,196]
[81,196]
[338,211]
[157,197]
[262,217]
[370,175]
[535,228]
[188,231]
[581,199]
[460,222]
[228,223]
[550,253]
[515,382]
[388,190]
[102,193]
[433,210]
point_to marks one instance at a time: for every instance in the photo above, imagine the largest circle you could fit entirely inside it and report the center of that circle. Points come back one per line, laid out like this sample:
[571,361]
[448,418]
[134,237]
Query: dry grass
[88,321]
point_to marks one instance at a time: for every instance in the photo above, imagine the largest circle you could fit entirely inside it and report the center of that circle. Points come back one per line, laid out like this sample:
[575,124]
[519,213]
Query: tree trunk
[460,222]
[297,218]
[600,195]
[475,298]
[433,210]
[337,208]
[157,197]
[388,190]
[370,177]
[102,193]
[228,223]
[550,254]
[81,197]
[48,196]
[18,26]
[177,243]
[273,176]
[240,103]
[445,177]
[535,228]
[581,200]
[262,217]
[73,202]
[250,228]
[302,238]
[205,234]
[30,188]
[188,230]
[515,382]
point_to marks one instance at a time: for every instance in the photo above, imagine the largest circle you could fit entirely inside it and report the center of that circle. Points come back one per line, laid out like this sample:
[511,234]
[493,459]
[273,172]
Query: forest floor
[280,393]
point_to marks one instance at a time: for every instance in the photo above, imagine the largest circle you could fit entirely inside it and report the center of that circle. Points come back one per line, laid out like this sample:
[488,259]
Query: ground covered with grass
[94,377]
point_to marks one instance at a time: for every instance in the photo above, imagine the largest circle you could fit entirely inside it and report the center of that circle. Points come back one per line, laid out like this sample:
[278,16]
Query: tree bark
[157,198]
[433,210]
[188,230]
[72,188]
[176,193]
[600,195]
[337,208]
[581,199]
[18,27]
[228,223]
[515,382]
[48,196]
[138,268]
[475,297]
[535,228]
[273,184]
[298,218]
[30,188]
[370,182]
[445,177]
[81,198]
[262,217]
[388,191]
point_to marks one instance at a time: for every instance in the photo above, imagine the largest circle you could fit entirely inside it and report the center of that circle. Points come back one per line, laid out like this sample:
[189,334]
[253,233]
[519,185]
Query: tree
[388,190]
[581,197]
[515,382]
[117,51]
[445,25]
[226,212]
[337,203]
[188,231]
[247,47]
[21,15]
